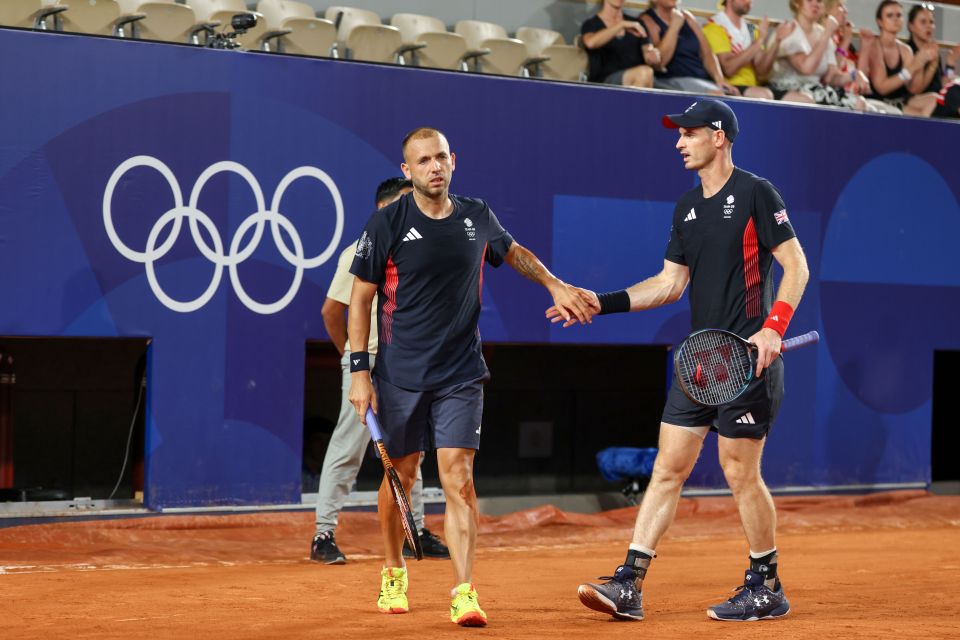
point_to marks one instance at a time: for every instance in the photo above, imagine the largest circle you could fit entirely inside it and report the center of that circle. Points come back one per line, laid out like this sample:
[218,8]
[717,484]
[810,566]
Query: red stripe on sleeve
[751,270]
[480,288]
[389,290]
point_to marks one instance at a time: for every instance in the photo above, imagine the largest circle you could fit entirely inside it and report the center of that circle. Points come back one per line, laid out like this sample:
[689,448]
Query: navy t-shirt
[620,53]
[727,241]
[429,282]
[686,61]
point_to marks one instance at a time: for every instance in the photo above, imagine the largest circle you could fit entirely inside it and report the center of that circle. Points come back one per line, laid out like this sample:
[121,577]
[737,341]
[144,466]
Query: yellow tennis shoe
[393,591]
[465,610]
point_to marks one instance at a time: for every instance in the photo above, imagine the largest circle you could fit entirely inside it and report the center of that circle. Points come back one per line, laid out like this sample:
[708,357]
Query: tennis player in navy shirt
[422,257]
[726,234]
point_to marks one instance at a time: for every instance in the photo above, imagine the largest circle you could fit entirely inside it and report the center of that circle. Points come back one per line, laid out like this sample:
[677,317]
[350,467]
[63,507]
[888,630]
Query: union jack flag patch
[781,216]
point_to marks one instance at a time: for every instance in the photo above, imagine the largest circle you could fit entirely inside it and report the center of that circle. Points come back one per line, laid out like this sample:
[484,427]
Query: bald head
[422,133]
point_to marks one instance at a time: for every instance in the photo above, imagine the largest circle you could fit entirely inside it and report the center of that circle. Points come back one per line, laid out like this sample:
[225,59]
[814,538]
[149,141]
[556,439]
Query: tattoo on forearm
[528,266]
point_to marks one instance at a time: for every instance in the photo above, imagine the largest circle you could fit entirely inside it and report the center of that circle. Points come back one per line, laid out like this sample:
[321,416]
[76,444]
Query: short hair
[419,134]
[390,188]
[883,5]
[917,8]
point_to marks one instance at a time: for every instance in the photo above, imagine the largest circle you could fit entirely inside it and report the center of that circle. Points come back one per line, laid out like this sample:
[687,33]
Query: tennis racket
[714,366]
[399,495]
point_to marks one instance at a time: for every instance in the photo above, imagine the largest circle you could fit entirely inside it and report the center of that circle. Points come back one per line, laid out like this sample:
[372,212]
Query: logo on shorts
[746,418]
[478,430]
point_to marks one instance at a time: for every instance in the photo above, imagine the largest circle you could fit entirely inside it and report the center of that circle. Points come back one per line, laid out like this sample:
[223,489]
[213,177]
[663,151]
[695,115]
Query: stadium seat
[163,20]
[221,12]
[363,37]
[507,57]
[27,13]
[306,34]
[443,50]
[563,61]
[95,17]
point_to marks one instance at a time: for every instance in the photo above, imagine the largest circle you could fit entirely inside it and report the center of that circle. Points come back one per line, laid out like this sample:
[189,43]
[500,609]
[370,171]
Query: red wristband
[779,318]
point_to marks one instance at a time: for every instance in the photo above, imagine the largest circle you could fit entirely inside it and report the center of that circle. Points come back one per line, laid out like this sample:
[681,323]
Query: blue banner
[200,198]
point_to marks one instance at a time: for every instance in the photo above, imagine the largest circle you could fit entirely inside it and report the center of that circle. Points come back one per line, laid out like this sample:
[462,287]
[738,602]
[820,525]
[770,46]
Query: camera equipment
[241,23]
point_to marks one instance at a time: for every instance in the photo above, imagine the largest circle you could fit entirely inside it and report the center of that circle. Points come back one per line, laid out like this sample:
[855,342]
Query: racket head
[714,366]
[406,515]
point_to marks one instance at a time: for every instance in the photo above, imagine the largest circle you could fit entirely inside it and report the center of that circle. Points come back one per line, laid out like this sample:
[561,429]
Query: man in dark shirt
[423,255]
[725,236]
[620,52]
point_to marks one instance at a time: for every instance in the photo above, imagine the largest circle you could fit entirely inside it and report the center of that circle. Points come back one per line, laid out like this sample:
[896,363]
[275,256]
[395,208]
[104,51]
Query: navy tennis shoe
[618,596]
[754,601]
[324,549]
[431,545]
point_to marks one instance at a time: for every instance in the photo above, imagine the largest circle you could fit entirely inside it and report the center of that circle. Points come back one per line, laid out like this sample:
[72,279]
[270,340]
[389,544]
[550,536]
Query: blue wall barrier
[200,198]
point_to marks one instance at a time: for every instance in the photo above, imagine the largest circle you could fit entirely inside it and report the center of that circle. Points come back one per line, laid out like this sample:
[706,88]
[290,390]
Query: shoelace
[393,589]
[745,591]
[468,598]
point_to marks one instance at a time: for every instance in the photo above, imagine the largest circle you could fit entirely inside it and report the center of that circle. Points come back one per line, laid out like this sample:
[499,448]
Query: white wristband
[905,76]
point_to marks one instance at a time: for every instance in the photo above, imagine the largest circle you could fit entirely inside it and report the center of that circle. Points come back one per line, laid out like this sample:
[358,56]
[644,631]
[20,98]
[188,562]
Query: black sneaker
[754,601]
[324,549]
[618,596]
[432,546]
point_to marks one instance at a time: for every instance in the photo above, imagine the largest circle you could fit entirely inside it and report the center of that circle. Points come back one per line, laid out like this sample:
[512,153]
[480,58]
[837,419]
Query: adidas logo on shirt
[691,216]
[413,234]
[746,418]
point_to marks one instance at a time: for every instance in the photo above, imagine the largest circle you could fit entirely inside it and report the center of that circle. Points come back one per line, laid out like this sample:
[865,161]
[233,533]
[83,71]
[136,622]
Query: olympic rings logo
[215,254]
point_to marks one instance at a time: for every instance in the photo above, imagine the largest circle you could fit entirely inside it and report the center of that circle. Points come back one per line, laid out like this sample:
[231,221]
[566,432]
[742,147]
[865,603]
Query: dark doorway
[72,418]
[946,437]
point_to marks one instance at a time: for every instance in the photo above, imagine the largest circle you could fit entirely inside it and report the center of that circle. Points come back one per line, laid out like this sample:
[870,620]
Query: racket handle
[373,424]
[811,337]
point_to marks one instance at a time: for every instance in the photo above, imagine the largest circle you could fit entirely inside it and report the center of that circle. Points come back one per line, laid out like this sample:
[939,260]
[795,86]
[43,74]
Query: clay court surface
[878,566]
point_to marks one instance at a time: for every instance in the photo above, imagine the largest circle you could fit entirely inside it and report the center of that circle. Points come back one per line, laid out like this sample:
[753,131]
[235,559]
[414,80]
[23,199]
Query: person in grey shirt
[350,437]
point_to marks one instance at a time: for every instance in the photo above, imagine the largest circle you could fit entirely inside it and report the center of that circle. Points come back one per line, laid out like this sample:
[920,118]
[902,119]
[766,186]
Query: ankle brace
[640,562]
[765,565]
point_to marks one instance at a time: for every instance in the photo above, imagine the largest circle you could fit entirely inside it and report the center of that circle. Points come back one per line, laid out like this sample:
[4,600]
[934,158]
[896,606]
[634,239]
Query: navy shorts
[414,421]
[749,416]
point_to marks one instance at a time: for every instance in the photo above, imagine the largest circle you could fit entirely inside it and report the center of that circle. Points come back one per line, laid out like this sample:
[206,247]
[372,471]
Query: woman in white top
[806,60]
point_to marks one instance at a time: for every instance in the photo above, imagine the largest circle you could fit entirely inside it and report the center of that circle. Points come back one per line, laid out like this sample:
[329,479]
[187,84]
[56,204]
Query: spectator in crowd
[620,52]
[807,59]
[937,74]
[895,72]
[745,55]
[942,75]
[848,58]
[687,62]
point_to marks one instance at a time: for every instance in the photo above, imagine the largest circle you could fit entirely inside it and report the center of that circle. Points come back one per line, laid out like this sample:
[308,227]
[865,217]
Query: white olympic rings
[215,254]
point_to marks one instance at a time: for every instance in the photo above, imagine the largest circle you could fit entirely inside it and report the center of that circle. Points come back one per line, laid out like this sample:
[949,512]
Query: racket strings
[713,366]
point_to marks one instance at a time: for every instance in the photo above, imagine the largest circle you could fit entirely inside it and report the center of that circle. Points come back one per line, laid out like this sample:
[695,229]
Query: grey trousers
[342,462]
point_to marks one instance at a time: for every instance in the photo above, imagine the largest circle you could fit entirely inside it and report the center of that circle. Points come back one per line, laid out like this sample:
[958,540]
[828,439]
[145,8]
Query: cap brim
[677,120]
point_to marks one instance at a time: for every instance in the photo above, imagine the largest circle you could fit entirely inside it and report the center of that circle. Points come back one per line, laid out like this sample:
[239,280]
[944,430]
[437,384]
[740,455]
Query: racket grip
[811,337]
[373,425]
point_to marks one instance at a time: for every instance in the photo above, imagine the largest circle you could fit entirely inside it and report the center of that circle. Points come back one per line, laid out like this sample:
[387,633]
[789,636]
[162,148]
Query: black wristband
[614,302]
[359,361]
